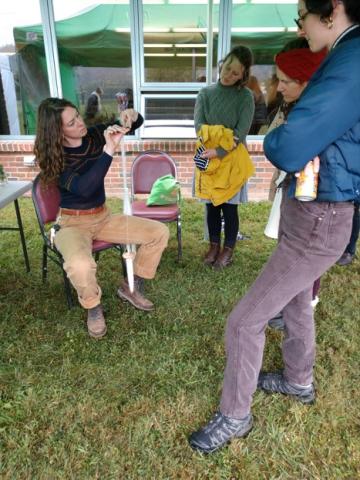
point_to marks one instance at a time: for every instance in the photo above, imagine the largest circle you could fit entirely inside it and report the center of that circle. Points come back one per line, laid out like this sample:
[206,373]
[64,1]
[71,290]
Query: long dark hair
[245,57]
[324,8]
[48,147]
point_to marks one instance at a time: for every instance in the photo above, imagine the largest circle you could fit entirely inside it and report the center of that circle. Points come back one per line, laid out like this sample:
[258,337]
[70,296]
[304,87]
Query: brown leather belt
[89,211]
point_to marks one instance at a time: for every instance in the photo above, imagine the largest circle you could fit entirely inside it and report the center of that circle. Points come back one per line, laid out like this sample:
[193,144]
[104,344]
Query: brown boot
[96,322]
[212,253]
[224,259]
[136,298]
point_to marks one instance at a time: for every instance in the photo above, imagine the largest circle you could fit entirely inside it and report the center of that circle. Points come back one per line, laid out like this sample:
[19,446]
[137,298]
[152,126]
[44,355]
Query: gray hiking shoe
[345,259]
[276,383]
[219,431]
[277,322]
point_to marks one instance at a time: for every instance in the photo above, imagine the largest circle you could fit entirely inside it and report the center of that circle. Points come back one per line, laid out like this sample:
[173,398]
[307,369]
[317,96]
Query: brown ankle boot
[212,253]
[96,322]
[136,298]
[224,259]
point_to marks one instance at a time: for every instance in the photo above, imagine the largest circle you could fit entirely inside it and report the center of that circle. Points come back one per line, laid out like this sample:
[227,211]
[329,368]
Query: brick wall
[16,158]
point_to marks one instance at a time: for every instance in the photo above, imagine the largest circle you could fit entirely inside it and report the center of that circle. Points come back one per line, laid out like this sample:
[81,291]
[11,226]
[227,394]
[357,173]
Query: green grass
[122,407]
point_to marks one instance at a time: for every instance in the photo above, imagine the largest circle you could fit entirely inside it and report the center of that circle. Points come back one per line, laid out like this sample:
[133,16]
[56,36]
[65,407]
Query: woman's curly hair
[48,147]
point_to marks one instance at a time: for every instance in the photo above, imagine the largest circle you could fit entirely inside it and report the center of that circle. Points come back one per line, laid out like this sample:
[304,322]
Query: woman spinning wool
[78,159]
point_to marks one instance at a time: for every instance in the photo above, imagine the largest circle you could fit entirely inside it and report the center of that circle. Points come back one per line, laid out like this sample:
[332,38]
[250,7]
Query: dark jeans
[231,223]
[312,237]
[351,248]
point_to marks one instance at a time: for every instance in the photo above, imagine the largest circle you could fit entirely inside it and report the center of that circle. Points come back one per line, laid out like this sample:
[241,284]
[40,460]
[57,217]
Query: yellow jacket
[223,177]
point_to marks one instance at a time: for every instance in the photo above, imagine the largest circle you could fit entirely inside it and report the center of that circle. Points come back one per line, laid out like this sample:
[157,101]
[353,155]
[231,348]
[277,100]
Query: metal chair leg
[44,264]
[22,236]
[179,238]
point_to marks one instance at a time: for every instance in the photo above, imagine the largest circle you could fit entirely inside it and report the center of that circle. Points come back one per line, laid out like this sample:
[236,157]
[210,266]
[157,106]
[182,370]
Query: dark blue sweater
[82,181]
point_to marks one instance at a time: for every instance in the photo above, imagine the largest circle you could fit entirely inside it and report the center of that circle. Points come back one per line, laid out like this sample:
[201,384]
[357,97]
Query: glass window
[172,114]
[175,40]
[23,71]
[265,28]
[95,61]
[95,57]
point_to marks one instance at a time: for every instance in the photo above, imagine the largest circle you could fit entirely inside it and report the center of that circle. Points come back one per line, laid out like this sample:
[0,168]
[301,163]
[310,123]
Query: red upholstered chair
[46,202]
[147,167]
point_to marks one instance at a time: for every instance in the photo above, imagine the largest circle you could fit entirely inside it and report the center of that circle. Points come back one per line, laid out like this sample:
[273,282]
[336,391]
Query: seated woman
[78,159]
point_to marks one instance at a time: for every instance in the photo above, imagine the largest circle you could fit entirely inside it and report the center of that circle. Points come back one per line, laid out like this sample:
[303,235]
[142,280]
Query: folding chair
[46,202]
[146,168]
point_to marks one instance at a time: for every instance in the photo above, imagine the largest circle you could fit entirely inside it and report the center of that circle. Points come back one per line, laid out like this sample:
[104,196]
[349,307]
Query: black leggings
[231,220]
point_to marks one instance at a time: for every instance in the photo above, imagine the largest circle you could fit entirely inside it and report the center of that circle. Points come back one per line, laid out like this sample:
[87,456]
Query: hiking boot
[276,383]
[241,236]
[345,259]
[224,259]
[277,322]
[136,298]
[96,322]
[219,431]
[212,253]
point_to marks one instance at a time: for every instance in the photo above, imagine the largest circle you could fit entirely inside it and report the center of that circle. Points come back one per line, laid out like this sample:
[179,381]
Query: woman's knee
[80,266]
[163,233]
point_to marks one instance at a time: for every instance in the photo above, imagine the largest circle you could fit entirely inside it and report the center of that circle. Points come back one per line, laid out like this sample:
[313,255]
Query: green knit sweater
[228,106]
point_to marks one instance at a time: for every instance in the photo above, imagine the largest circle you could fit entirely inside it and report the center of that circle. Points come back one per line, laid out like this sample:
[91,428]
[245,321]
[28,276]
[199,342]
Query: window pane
[95,57]
[23,79]
[265,28]
[175,40]
[169,115]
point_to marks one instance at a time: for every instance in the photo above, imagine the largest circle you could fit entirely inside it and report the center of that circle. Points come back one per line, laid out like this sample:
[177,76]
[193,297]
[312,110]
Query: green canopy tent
[278,19]
[100,37]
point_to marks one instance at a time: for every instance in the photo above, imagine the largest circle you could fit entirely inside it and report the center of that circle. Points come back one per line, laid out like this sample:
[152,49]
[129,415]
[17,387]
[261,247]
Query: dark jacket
[326,122]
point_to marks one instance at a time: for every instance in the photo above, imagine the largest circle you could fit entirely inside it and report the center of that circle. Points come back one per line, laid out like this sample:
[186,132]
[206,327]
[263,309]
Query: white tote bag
[272,227]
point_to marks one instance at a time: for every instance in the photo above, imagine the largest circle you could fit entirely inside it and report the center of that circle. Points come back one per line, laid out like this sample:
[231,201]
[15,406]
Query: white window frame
[185,131]
[140,87]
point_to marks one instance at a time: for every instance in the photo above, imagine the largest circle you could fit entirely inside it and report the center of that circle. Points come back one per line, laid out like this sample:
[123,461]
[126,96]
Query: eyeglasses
[299,21]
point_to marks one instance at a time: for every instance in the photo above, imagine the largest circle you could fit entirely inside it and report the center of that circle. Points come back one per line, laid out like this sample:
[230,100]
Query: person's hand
[113,135]
[313,164]
[128,117]
[316,164]
[209,153]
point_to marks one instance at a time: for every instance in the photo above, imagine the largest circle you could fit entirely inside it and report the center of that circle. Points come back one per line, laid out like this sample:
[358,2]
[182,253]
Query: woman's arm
[88,183]
[246,116]
[199,113]
[324,113]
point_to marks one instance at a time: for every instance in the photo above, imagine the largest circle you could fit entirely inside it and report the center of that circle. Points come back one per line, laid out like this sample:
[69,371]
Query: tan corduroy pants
[74,241]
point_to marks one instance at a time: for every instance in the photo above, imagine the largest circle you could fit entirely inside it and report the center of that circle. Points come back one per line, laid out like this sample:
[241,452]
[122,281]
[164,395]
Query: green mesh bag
[165,191]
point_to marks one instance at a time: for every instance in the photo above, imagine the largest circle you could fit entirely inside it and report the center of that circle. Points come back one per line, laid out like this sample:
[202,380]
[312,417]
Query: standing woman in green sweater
[231,104]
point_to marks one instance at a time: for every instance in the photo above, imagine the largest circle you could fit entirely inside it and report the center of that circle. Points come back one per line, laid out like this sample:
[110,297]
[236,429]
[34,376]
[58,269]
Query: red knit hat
[300,63]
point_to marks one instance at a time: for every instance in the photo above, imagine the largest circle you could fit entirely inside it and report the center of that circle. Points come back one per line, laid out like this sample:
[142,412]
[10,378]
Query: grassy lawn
[122,407]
